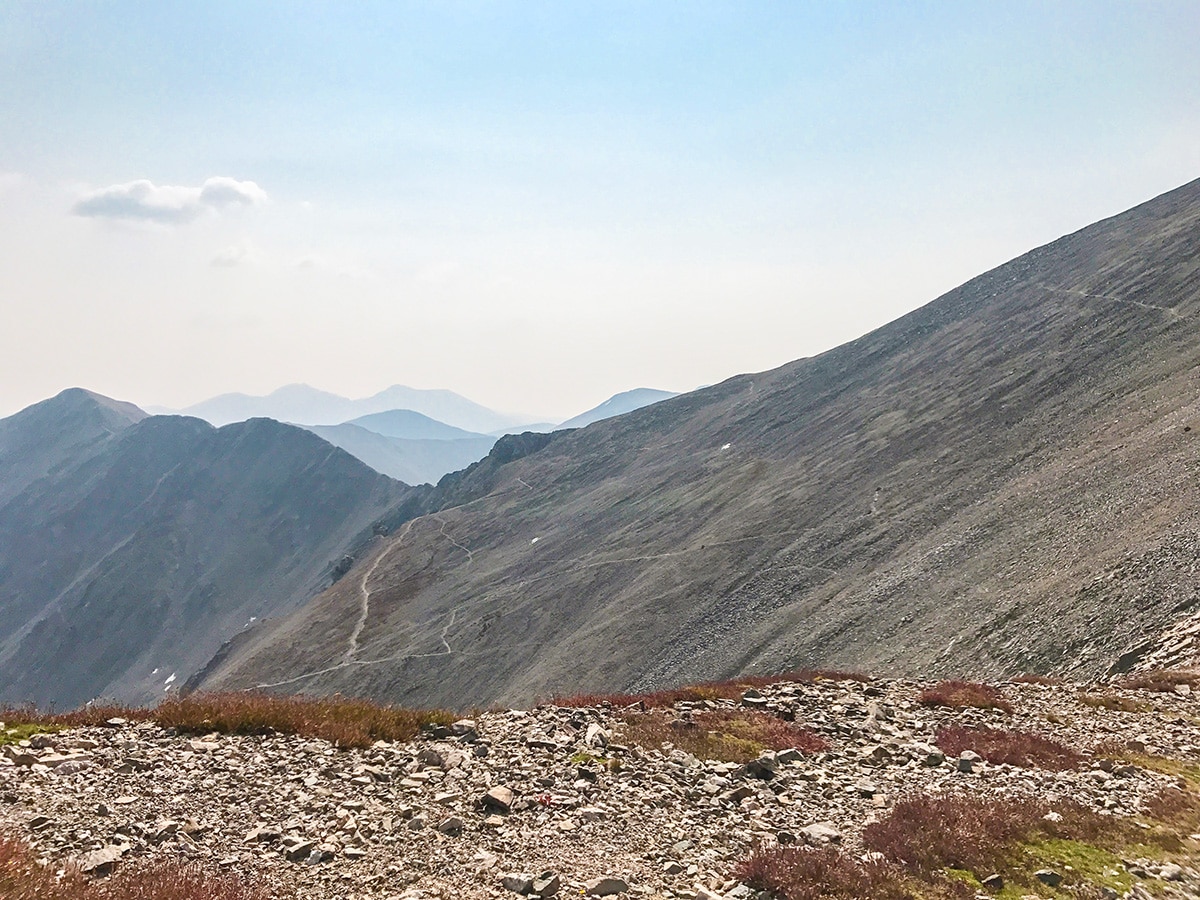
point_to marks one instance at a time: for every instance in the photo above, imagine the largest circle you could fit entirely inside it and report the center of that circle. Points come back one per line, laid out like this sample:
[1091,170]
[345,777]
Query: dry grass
[1016,748]
[21,878]
[733,735]
[345,722]
[1113,702]
[1162,681]
[731,689]
[85,715]
[1031,678]
[348,723]
[964,694]
[1177,809]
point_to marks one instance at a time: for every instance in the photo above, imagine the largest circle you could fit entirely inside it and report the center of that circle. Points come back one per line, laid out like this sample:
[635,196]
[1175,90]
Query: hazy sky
[540,204]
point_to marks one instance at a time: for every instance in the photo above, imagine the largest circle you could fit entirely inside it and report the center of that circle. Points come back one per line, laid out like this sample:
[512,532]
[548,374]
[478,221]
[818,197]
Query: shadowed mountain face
[44,437]
[132,547]
[1003,480]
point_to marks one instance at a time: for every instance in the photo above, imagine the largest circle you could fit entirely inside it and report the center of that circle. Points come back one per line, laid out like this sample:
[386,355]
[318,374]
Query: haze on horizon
[538,205]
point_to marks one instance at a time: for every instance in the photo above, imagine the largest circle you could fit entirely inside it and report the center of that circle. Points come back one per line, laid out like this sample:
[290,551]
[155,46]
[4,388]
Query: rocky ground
[551,800]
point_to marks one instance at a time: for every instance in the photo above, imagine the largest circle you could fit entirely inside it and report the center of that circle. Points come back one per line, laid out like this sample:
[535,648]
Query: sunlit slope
[1005,479]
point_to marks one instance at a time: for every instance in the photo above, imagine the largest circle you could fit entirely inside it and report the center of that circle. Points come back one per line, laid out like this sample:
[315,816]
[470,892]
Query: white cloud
[144,201]
[10,181]
[235,255]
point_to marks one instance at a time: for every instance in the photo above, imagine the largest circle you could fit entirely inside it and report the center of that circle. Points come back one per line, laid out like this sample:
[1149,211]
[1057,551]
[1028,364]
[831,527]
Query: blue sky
[540,204]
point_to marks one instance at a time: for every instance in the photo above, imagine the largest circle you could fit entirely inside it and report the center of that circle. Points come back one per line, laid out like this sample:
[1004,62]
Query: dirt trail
[365,594]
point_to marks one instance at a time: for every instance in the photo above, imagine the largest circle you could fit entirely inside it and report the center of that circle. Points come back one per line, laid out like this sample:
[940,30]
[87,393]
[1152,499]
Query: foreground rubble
[550,801]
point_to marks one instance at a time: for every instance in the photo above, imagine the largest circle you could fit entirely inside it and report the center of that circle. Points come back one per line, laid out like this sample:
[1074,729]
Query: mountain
[411,460]
[617,405]
[444,406]
[301,403]
[291,403]
[132,547]
[410,425]
[1003,480]
[42,438]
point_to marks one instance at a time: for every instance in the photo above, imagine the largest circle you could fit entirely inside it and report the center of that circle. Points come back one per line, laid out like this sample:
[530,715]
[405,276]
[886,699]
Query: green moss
[12,734]
[965,876]
[1078,862]
[1167,765]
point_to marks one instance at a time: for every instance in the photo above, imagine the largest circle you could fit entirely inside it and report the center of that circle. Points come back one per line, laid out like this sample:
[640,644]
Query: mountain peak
[81,399]
[618,404]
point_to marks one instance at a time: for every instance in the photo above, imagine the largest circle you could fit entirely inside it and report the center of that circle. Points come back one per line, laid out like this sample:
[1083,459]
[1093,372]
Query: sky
[541,204]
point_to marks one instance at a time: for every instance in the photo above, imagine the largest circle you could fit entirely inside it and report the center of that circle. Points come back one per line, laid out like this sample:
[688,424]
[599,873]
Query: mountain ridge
[302,403]
[872,506]
[157,541]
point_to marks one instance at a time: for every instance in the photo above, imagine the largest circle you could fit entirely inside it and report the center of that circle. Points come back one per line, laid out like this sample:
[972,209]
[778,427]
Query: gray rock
[452,826]
[1048,877]
[102,861]
[547,884]
[754,700]
[821,833]
[300,850]
[866,788]
[605,887]
[498,798]
[737,794]
[764,767]
[1170,872]
[517,882]
[430,758]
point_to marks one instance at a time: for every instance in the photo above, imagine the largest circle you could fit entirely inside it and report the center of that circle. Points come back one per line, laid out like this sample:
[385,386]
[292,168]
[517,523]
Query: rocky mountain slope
[1003,480]
[569,801]
[131,548]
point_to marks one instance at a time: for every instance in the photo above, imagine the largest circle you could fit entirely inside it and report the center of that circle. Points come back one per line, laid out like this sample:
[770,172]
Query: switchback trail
[365,594]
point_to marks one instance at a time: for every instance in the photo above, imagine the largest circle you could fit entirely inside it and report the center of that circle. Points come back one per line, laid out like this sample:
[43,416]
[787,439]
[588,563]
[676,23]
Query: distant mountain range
[301,403]
[410,425]
[411,460]
[406,445]
[403,443]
